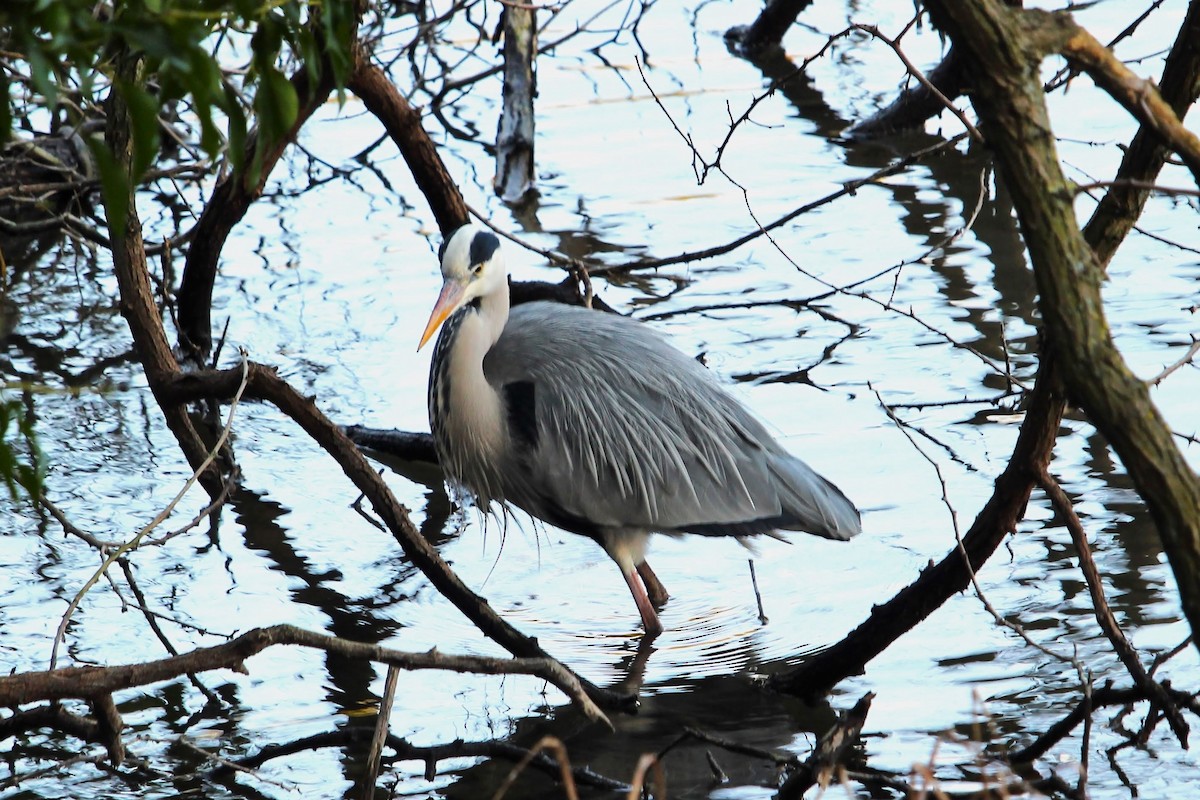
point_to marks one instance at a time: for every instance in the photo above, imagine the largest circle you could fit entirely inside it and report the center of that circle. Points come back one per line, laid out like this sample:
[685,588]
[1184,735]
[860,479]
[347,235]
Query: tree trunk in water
[1003,48]
[768,28]
[1106,230]
[514,139]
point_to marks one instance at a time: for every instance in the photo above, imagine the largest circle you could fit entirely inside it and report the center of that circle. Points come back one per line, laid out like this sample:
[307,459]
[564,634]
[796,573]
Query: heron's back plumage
[610,428]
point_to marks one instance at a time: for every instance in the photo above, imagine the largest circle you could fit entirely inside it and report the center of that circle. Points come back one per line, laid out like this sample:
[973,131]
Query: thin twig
[158,519]
[1104,616]
[1081,188]
[1184,360]
[762,615]
[381,730]
[894,44]
[987,604]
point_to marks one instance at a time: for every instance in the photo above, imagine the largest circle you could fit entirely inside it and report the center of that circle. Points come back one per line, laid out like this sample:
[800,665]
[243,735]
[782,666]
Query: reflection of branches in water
[152,618]
[1104,616]
[429,755]
[999,618]
[441,96]
[214,451]
[703,166]
[1165,701]
[50,360]
[849,188]
[475,52]
[801,375]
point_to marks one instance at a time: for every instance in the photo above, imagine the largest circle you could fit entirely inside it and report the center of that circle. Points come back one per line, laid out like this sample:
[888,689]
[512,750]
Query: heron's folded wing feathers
[632,433]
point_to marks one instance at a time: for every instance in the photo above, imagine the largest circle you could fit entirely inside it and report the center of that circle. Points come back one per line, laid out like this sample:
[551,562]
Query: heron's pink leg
[649,616]
[654,588]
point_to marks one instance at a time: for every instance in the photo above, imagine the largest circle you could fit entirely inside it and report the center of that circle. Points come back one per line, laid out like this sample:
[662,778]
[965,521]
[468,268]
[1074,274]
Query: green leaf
[207,87]
[14,472]
[8,459]
[267,40]
[339,17]
[6,119]
[39,72]
[143,111]
[277,104]
[114,188]
[237,129]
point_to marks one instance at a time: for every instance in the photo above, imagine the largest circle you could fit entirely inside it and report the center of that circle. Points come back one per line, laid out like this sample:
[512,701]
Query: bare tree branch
[98,683]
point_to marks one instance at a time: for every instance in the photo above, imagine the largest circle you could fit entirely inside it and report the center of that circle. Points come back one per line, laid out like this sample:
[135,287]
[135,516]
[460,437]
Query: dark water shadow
[729,706]
[347,681]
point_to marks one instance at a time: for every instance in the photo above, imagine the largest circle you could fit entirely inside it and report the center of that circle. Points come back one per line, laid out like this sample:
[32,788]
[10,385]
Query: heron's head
[472,268]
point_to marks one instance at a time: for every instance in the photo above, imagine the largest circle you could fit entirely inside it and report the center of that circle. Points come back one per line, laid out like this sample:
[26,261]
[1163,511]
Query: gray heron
[594,423]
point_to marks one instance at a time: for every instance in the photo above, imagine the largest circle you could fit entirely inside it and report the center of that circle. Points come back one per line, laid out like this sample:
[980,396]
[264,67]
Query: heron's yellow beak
[447,303]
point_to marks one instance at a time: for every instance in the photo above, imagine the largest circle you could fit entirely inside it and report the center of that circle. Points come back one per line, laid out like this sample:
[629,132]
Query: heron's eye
[477,270]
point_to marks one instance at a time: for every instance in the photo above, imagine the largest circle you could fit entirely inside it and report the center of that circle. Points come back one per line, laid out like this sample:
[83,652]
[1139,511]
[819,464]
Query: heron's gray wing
[611,426]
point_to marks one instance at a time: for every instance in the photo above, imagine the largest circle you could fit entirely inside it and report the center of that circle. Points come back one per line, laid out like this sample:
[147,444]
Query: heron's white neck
[475,404]
[493,309]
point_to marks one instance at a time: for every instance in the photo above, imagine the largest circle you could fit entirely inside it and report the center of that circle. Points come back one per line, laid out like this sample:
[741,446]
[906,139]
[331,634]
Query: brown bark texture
[1122,204]
[138,304]
[98,683]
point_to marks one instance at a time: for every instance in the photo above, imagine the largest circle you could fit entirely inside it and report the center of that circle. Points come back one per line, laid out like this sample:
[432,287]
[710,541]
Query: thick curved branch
[138,304]
[1120,207]
[1046,405]
[1137,95]
[1104,616]
[403,124]
[941,581]
[230,201]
